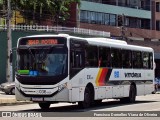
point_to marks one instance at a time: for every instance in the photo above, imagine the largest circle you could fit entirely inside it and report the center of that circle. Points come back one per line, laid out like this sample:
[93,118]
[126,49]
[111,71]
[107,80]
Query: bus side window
[146,61]
[104,57]
[127,58]
[108,57]
[76,59]
[91,56]
[137,59]
[116,58]
[151,60]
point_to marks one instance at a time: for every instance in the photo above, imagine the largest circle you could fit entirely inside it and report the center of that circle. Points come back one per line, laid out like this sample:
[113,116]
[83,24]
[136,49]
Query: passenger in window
[86,63]
[100,62]
[128,64]
[108,61]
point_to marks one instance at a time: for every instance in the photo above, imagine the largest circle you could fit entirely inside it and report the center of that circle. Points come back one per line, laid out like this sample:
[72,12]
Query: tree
[57,9]
[3,11]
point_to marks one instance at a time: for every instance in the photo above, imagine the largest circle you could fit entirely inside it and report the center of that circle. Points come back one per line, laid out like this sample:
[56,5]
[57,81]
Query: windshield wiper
[28,48]
[31,53]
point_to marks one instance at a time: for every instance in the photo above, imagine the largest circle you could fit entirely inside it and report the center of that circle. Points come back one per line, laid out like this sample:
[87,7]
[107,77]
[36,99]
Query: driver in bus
[44,67]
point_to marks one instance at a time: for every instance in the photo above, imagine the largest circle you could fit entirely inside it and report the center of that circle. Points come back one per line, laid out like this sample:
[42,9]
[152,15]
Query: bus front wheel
[87,99]
[44,105]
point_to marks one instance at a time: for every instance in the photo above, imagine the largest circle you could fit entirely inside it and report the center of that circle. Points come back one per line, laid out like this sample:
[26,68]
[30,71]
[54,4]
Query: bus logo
[116,74]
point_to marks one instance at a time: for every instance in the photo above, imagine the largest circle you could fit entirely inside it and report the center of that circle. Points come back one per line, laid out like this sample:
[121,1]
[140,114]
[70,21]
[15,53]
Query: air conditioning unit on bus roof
[63,35]
[107,40]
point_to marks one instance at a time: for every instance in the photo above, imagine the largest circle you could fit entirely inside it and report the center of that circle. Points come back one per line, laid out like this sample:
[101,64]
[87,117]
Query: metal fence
[57,29]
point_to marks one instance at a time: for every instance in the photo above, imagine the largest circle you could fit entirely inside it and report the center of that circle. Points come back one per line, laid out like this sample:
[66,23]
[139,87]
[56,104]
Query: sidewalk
[10,100]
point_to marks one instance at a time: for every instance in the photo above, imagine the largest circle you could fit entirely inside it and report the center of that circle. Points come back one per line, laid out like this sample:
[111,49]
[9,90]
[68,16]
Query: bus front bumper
[59,95]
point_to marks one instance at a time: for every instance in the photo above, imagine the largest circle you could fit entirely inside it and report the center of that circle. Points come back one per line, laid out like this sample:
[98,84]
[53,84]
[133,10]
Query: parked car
[156,85]
[8,87]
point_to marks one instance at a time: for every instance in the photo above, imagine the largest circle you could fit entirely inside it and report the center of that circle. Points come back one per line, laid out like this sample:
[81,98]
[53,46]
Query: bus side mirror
[11,56]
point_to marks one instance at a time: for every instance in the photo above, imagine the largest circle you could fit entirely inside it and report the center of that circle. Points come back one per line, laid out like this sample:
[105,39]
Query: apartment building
[137,17]
[136,21]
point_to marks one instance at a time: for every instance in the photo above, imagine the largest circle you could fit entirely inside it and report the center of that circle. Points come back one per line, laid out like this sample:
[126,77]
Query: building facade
[136,21]
[138,18]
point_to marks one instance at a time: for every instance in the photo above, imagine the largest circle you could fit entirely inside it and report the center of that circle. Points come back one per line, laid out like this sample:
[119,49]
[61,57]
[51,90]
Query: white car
[8,87]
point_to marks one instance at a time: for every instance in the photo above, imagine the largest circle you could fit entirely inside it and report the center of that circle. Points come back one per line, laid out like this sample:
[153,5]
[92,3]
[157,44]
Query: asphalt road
[143,104]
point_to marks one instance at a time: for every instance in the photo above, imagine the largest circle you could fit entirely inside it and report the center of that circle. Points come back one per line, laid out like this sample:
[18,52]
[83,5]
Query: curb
[7,102]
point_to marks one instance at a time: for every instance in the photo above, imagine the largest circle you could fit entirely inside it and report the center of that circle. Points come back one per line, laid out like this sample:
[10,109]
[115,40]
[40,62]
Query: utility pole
[123,27]
[9,74]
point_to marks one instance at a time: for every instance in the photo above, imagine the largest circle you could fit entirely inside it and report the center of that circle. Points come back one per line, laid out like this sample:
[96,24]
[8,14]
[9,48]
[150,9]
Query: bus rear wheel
[87,99]
[44,105]
[132,96]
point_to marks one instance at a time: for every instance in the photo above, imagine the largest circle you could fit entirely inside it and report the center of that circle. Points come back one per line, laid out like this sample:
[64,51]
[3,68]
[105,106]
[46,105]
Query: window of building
[120,20]
[112,20]
[116,58]
[106,19]
[134,22]
[123,3]
[145,4]
[104,57]
[157,7]
[145,23]
[158,25]
[127,21]
[127,58]
[98,18]
[110,2]
[91,56]
[83,16]
[92,17]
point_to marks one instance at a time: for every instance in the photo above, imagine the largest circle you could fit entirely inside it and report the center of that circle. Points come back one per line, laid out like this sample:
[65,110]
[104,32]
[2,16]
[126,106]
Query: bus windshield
[42,60]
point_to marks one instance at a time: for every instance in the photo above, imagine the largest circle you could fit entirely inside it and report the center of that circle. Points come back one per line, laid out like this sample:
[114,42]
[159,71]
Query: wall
[129,32]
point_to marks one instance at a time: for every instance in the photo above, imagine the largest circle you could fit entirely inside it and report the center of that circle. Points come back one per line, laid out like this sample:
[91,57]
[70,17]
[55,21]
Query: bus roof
[116,44]
[100,42]
[107,40]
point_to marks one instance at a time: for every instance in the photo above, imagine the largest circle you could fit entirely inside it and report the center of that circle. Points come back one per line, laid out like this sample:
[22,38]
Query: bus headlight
[61,87]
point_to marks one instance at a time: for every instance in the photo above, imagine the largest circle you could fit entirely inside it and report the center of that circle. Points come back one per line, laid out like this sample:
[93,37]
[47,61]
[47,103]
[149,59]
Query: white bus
[64,68]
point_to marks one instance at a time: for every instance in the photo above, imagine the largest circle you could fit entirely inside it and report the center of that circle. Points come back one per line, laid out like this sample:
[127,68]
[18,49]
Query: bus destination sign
[42,42]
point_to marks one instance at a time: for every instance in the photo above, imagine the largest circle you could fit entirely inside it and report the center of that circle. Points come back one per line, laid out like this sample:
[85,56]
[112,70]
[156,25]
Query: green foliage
[57,10]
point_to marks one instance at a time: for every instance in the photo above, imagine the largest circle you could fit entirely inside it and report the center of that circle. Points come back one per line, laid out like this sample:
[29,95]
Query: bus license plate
[37,99]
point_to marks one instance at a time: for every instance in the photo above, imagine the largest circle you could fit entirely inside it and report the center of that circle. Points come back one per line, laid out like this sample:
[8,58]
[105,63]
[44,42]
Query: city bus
[64,68]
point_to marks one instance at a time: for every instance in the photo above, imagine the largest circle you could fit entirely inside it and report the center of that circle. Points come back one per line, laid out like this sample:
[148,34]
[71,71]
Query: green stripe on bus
[23,72]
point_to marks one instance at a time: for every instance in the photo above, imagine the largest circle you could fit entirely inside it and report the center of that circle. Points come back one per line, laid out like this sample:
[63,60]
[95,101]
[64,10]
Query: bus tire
[44,105]
[87,99]
[132,94]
